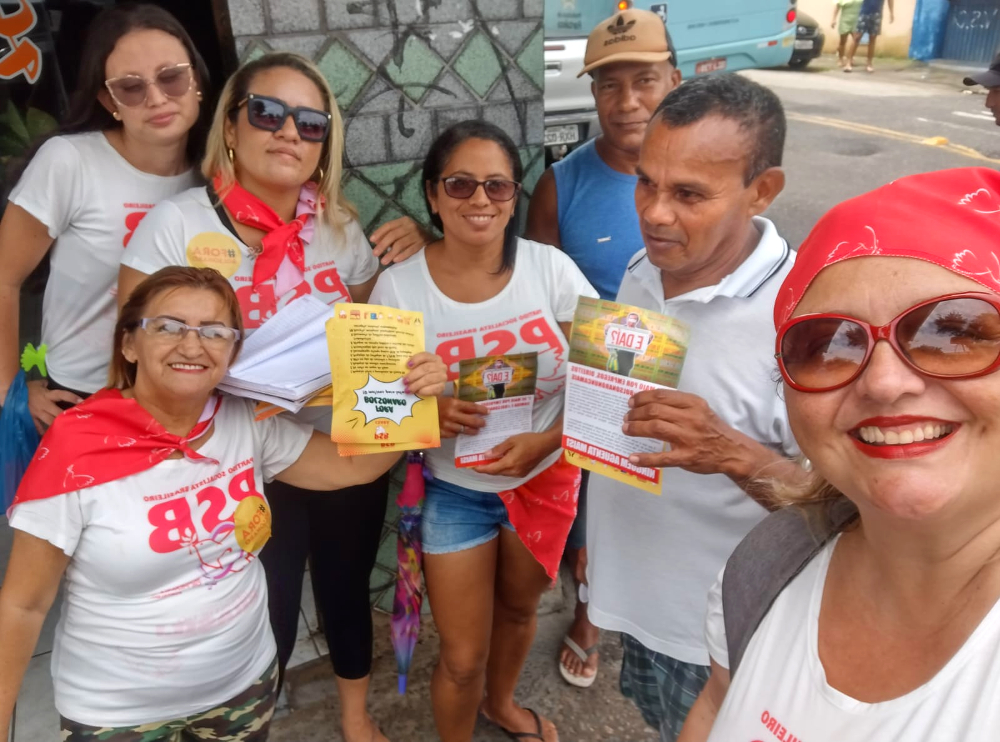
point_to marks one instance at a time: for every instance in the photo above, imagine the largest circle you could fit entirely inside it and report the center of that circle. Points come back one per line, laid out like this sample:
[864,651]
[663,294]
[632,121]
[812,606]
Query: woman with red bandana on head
[133,133]
[275,222]
[149,497]
[877,614]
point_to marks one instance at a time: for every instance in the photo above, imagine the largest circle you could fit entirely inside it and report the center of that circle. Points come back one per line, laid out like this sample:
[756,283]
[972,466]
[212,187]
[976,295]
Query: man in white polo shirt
[709,166]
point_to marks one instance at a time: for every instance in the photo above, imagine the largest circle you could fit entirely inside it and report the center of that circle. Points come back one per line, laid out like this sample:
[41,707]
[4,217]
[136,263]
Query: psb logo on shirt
[214,250]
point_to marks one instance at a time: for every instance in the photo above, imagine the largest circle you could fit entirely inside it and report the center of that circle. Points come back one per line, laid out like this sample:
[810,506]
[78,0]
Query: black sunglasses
[496,189]
[269,114]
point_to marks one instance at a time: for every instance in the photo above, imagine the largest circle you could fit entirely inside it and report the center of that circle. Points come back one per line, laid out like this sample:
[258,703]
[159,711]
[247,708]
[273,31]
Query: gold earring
[116,116]
[232,155]
[319,180]
[198,93]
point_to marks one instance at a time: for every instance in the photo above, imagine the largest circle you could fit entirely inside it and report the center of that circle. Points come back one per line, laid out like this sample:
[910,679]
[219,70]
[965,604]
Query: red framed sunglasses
[956,336]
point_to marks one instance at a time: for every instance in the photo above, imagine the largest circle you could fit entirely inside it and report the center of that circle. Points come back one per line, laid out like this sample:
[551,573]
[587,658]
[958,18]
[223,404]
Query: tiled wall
[403,71]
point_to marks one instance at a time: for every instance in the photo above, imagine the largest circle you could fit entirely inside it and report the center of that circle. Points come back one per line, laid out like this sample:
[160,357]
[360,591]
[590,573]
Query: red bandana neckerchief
[283,239]
[104,438]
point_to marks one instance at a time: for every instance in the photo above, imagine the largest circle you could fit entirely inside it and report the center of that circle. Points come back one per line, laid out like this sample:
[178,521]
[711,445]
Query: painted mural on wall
[405,70]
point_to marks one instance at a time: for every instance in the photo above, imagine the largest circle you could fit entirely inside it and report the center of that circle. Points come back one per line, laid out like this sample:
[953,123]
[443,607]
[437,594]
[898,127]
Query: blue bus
[710,36]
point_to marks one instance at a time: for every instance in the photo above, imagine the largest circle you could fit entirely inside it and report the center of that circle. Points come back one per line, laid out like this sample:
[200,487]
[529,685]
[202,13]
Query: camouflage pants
[244,718]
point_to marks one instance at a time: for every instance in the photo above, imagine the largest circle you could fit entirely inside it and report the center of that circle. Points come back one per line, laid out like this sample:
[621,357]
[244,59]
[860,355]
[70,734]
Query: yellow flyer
[616,351]
[369,346]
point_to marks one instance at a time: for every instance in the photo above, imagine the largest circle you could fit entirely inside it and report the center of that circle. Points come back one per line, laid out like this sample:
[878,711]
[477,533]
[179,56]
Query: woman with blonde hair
[275,222]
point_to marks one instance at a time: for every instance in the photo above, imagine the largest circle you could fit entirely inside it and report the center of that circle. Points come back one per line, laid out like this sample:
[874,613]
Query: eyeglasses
[496,190]
[269,114]
[956,336]
[131,90]
[164,328]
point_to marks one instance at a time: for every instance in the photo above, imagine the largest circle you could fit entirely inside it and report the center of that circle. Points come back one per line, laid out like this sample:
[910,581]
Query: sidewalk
[597,714]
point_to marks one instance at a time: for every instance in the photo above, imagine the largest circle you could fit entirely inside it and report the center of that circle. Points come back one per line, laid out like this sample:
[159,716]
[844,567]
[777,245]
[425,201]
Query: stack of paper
[286,361]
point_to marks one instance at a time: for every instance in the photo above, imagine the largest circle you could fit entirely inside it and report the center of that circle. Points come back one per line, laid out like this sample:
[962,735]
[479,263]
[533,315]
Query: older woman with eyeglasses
[871,608]
[275,222]
[149,498]
[132,134]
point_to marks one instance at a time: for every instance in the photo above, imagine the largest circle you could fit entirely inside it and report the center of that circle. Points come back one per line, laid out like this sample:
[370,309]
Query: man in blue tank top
[585,205]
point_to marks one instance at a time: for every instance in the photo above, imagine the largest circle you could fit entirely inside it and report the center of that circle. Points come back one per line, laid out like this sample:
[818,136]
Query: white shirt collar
[767,257]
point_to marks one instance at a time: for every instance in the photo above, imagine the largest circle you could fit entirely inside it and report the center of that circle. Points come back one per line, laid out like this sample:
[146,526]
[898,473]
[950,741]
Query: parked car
[809,38]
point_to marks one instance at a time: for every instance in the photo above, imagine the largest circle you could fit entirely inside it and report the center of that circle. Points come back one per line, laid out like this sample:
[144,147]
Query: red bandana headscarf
[283,247]
[950,218]
[104,438]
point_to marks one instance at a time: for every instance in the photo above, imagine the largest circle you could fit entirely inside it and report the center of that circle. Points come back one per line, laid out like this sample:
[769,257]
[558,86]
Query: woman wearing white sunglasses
[129,141]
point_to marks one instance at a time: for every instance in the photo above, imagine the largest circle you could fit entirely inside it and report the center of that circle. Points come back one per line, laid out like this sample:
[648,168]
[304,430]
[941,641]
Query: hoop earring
[232,155]
[319,180]
[116,116]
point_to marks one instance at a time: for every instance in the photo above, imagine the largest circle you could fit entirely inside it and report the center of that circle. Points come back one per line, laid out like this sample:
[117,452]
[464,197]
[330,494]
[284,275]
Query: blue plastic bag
[18,439]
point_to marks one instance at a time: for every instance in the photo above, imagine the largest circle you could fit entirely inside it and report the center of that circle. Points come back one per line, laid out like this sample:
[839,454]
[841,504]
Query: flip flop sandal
[522,735]
[578,681]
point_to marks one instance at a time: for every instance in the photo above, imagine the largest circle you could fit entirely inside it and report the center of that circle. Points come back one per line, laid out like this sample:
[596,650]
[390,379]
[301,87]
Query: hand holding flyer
[372,409]
[617,351]
[504,385]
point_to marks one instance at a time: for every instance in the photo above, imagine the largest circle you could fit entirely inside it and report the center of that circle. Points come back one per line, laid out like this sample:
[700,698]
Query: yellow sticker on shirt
[214,250]
[252,520]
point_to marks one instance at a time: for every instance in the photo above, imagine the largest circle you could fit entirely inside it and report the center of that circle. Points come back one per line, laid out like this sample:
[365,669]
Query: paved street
[849,133]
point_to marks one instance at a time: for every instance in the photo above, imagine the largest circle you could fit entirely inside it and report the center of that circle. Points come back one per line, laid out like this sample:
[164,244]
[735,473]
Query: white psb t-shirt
[652,558]
[523,317]
[165,615]
[187,230]
[780,692]
[91,200]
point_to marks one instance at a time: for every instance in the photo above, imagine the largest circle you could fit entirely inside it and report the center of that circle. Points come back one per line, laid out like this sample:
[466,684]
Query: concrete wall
[403,71]
[895,38]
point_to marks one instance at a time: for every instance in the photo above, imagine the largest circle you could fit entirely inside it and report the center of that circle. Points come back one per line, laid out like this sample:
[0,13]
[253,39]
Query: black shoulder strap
[770,557]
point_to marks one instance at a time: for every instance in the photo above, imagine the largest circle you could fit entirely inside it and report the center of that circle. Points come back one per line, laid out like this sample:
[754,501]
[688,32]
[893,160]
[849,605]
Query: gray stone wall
[403,71]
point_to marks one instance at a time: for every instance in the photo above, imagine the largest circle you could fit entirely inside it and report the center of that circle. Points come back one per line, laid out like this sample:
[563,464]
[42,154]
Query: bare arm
[706,707]
[29,588]
[23,243]
[398,239]
[892,14]
[543,212]
[128,279]
[360,292]
[836,11]
[321,467]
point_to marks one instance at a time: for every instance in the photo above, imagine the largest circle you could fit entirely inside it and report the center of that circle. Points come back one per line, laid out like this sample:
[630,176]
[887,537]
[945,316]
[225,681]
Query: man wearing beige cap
[585,205]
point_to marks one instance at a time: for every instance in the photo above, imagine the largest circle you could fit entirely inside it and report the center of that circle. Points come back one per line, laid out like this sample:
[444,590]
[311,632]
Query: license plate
[804,44]
[710,65]
[567,134]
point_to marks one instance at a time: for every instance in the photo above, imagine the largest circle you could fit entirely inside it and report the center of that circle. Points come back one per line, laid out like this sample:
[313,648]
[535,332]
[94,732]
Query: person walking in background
[493,536]
[274,221]
[869,22]
[135,128]
[989,79]
[710,165]
[585,206]
[848,11]
[164,632]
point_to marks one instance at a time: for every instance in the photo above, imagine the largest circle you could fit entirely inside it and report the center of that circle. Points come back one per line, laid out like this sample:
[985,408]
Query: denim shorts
[456,518]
